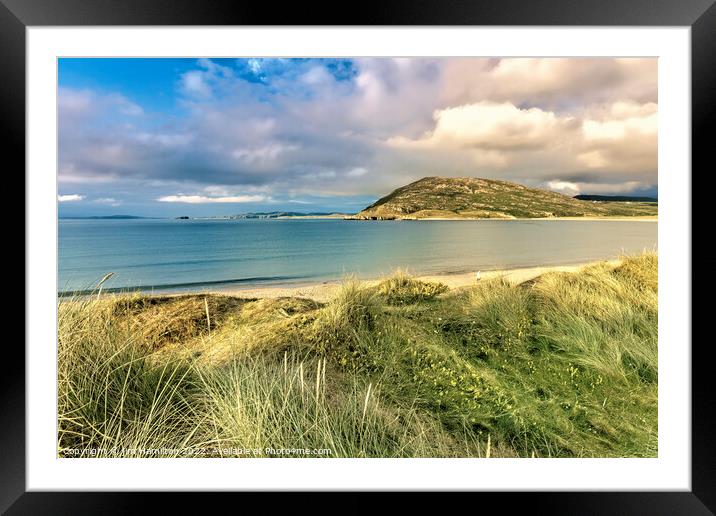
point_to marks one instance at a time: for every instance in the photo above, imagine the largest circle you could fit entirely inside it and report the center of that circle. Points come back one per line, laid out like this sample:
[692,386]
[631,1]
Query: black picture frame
[700,15]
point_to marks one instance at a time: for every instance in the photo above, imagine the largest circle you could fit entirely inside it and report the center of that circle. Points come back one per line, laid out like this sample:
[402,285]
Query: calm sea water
[173,255]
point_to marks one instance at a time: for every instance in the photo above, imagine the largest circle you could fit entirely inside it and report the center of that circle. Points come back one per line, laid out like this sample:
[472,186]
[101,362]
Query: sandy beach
[636,218]
[325,291]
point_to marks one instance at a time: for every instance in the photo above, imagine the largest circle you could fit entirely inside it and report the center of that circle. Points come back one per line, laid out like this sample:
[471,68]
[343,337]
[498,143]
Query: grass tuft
[564,365]
[401,289]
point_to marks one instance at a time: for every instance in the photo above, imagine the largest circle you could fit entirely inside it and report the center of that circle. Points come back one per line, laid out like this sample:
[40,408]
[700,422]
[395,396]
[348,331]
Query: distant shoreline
[639,218]
[618,218]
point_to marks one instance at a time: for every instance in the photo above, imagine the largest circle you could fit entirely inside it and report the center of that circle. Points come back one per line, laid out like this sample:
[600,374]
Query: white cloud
[317,76]
[357,172]
[203,199]
[73,103]
[193,83]
[70,198]
[533,145]
[564,83]
[493,126]
[126,106]
[69,178]
[110,201]
[564,187]
[302,131]
[254,65]
[201,83]
[569,188]
[263,153]
[625,119]
[169,140]
[624,138]
[619,129]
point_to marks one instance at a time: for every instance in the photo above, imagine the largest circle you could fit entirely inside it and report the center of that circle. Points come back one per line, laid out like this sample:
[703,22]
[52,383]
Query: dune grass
[564,365]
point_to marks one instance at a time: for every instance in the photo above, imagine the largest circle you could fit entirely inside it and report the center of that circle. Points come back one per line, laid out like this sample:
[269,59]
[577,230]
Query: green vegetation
[474,198]
[562,366]
[401,289]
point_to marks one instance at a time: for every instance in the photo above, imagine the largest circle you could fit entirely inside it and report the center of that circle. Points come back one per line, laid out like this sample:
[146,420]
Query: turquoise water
[176,255]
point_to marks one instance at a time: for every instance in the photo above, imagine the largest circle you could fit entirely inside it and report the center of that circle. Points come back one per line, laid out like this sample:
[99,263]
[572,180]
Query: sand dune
[325,291]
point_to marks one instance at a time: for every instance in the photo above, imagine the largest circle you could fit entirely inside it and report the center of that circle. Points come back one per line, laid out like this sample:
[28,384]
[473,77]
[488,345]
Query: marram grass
[562,366]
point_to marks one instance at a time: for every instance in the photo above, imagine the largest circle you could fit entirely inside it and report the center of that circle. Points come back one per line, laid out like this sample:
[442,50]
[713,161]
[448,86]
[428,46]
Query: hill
[474,198]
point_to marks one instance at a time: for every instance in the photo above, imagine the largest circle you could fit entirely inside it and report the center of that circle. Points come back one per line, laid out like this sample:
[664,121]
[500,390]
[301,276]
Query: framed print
[434,249]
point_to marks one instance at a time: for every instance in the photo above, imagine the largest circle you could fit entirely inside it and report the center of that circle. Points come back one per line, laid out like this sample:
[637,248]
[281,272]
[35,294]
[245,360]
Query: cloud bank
[256,131]
[70,198]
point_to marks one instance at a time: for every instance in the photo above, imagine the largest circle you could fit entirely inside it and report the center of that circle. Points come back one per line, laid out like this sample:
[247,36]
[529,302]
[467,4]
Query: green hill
[474,198]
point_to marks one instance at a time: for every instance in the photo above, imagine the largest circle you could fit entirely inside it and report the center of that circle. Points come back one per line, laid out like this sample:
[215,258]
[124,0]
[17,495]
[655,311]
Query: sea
[169,255]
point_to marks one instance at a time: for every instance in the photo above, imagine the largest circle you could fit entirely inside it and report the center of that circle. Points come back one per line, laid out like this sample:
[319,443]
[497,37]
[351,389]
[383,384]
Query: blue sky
[170,137]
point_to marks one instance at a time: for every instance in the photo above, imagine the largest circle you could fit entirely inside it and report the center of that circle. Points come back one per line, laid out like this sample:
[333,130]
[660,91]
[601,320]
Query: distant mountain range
[280,214]
[615,198]
[474,198]
[258,215]
[110,217]
[466,198]
[273,215]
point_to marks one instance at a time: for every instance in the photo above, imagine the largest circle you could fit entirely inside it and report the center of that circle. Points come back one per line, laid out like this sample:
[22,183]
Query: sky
[203,137]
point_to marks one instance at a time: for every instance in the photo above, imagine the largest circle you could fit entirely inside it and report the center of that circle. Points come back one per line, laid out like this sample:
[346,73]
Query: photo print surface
[357,257]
